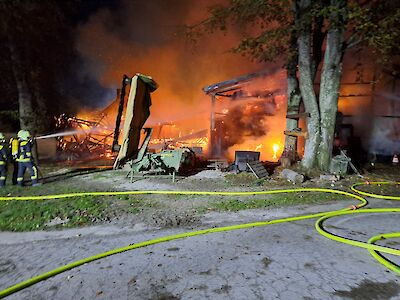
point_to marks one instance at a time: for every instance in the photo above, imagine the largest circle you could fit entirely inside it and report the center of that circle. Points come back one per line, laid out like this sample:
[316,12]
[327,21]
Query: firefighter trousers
[3,173]
[22,167]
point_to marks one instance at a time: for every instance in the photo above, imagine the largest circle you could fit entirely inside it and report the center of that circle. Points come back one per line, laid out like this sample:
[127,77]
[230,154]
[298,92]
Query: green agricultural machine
[165,162]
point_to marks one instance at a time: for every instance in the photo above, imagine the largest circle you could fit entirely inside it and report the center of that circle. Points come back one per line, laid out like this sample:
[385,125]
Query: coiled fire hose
[375,250]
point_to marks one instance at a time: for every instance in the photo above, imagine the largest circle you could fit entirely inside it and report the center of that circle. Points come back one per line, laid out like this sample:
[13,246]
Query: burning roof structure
[241,111]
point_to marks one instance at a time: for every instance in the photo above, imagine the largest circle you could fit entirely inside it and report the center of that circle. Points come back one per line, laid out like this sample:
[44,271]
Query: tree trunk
[42,123]
[26,112]
[329,88]
[318,37]
[306,81]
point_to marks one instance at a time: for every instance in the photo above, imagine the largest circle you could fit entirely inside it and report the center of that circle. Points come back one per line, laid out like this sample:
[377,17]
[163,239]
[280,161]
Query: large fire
[94,130]
[251,119]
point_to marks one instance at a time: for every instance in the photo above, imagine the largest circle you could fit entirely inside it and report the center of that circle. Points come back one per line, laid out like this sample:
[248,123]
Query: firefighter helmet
[24,135]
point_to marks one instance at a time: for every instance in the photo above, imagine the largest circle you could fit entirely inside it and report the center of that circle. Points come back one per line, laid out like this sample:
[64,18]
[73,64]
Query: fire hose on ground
[375,250]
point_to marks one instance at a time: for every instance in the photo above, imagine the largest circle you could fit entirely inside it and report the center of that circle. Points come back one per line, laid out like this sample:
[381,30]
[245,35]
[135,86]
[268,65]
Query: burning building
[248,113]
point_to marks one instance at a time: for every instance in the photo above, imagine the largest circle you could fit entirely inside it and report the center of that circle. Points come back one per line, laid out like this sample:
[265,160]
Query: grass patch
[276,200]
[75,212]
[33,215]
[135,206]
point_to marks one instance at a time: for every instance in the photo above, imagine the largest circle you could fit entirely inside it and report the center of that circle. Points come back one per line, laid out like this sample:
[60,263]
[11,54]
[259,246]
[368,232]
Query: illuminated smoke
[143,37]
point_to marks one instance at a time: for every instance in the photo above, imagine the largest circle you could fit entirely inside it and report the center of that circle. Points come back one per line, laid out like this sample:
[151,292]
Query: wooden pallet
[258,169]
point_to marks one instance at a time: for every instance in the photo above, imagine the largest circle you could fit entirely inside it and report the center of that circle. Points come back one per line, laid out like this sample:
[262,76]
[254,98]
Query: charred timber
[232,84]
[125,82]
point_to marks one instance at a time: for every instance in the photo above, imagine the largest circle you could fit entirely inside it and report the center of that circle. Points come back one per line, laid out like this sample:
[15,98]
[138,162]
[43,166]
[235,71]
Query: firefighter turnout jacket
[25,152]
[25,162]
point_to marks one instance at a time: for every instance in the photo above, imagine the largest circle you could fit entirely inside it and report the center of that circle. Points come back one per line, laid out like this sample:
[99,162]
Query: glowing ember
[275,148]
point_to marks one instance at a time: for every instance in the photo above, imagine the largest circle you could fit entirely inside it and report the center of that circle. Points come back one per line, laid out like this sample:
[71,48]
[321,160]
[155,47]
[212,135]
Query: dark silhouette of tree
[36,49]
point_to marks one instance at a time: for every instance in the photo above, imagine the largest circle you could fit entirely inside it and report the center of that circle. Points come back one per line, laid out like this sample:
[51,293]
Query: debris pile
[83,139]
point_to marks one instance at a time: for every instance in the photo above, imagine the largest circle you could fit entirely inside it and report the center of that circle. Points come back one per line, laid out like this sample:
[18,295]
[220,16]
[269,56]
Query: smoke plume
[143,37]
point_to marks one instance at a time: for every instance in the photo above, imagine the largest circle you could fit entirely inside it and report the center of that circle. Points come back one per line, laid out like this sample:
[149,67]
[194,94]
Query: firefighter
[25,158]
[3,160]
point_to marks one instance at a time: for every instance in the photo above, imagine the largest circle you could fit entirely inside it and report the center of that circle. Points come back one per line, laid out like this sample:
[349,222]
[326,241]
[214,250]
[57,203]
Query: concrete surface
[284,261]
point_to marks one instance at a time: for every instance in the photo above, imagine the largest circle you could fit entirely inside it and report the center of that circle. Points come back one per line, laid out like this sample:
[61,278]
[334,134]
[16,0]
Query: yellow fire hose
[375,250]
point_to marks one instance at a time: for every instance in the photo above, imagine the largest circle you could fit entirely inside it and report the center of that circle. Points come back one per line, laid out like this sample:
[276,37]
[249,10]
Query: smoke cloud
[143,37]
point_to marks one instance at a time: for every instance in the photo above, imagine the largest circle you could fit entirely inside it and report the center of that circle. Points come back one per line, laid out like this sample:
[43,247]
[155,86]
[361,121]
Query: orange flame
[275,148]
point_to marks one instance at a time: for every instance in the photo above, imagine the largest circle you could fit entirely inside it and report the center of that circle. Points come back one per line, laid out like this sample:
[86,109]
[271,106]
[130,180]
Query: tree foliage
[267,25]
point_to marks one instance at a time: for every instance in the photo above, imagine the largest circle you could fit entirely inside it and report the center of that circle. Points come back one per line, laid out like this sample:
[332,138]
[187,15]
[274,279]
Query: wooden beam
[297,133]
[354,96]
